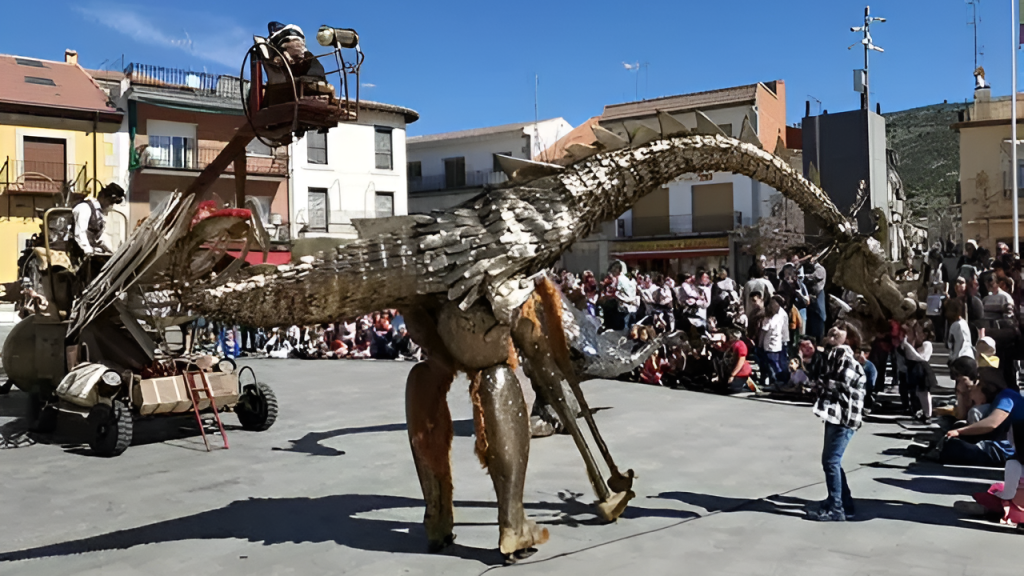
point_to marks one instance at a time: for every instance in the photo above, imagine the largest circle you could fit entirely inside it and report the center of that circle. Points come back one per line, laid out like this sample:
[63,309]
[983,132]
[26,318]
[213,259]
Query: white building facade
[355,170]
[690,223]
[446,169]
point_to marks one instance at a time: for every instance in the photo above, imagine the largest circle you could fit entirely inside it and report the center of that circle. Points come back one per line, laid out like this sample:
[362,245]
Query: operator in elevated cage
[90,220]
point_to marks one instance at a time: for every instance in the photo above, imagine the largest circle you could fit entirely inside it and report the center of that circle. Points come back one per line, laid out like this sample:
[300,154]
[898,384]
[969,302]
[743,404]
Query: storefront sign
[670,245]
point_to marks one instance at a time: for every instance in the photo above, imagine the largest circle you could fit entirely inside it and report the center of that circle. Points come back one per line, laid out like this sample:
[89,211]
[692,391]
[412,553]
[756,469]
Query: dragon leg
[498,397]
[430,425]
[430,435]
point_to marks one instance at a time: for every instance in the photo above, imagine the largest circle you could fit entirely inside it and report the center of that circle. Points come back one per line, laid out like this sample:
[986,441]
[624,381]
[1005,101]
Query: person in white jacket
[917,348]
[958,339]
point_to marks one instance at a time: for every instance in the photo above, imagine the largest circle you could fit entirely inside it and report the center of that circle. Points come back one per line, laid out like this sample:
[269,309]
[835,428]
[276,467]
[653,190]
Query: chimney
[70,56]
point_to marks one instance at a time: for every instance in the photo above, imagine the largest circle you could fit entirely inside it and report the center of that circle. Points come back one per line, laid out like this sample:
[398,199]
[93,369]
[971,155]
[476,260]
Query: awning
[672,248]
[256,257]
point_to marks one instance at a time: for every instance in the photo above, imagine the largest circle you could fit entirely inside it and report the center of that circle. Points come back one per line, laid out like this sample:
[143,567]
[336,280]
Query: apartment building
[58,133]
[447,169]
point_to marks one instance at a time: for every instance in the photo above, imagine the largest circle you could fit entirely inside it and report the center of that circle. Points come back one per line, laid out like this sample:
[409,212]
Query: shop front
[673,256]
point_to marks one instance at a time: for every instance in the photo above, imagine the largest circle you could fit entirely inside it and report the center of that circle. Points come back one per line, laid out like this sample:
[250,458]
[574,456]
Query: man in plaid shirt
[840,403]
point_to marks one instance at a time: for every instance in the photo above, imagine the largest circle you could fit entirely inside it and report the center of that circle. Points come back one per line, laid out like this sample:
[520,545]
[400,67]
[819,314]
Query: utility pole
[861,80]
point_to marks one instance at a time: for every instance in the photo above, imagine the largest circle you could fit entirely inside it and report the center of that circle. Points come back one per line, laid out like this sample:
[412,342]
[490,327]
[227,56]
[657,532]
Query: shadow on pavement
[310,443]
[339,519]
[931,485]
[867,509]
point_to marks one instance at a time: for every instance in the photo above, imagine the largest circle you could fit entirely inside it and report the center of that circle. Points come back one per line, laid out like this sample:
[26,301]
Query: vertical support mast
[1014,24]
[866,97]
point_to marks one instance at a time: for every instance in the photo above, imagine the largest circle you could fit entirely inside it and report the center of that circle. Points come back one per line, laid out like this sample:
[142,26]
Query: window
[317,208]
[382,147]
[316,148]
[727,128]
[454,172]
[1020,183]
[414,169]
[385,204]
[497,165]
[39,81]
[28,62]
[713,208]
[172,152]
[44,163]
[258,148]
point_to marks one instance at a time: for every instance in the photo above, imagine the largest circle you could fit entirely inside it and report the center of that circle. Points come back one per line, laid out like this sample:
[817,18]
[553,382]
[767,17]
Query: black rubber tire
[257,409]
[113,434]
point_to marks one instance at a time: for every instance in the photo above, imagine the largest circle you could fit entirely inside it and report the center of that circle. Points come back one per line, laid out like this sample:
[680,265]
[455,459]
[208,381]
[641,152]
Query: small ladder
[193,394]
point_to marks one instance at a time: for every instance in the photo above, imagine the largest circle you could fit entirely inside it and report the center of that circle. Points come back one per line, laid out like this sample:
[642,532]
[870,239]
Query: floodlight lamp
[342,37]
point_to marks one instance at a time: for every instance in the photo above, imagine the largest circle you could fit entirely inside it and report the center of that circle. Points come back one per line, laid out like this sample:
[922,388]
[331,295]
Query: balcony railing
[201,83]
[198,159]
[667,225]
[442,182]
[41,177]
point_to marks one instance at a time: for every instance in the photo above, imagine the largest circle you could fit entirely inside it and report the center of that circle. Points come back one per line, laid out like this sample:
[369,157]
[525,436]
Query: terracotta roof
[679,103]
[474,132]
[582,134]
[47,88]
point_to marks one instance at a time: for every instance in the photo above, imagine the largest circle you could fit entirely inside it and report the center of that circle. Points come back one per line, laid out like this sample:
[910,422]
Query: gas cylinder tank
[33,355]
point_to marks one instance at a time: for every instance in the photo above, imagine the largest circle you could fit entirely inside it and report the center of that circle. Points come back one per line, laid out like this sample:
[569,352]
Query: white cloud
[368,85]
[212,39]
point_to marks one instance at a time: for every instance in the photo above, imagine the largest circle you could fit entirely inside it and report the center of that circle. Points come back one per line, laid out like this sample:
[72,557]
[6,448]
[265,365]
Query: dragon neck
[608,184]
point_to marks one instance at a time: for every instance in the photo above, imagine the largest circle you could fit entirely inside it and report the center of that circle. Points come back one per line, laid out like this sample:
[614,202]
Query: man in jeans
[840,402]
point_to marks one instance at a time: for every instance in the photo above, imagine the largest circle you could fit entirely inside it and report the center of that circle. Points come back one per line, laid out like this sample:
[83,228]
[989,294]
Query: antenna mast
[861,79]
[974,24]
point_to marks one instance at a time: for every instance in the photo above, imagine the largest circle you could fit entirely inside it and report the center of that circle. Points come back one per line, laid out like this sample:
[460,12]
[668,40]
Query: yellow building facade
[58,133]
[986,177]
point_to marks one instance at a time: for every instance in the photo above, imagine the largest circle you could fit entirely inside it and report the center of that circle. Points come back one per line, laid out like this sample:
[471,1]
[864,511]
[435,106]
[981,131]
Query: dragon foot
[522,539]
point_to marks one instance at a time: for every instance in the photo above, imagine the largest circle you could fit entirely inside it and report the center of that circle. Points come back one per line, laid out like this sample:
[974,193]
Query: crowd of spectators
[381,336]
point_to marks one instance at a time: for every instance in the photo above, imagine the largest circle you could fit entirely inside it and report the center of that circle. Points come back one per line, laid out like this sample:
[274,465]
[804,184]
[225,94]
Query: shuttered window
[385,204]
[316,148]
[382,147]
[317,208]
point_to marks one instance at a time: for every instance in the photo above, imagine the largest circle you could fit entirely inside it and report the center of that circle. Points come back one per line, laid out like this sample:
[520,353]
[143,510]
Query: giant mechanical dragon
[467,281]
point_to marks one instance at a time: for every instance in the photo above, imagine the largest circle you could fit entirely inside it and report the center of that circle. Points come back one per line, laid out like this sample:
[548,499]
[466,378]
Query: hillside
[929,153]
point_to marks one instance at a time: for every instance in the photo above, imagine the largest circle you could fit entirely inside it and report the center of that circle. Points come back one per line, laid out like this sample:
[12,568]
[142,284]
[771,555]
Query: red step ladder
[193,394]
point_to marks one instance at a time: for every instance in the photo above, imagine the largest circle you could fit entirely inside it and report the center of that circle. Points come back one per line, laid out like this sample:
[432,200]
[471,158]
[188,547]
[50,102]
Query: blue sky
[468,64]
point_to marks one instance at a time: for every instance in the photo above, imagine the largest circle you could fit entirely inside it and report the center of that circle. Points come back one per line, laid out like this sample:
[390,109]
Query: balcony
[184,156]
[650,226]
[35,177]
[199,83]
[437,182]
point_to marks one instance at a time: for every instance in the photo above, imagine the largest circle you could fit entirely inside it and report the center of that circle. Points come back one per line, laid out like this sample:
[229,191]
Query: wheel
[257,408]
[113,429]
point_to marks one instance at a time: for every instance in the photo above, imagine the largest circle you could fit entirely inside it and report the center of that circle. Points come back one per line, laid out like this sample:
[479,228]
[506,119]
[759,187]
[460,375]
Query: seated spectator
[652,370]
[1004,498]
[975,403]
[735,363]
[989,364]
[404,345]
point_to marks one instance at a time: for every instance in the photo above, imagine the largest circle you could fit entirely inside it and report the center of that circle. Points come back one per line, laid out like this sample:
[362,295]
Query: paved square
[331,489]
